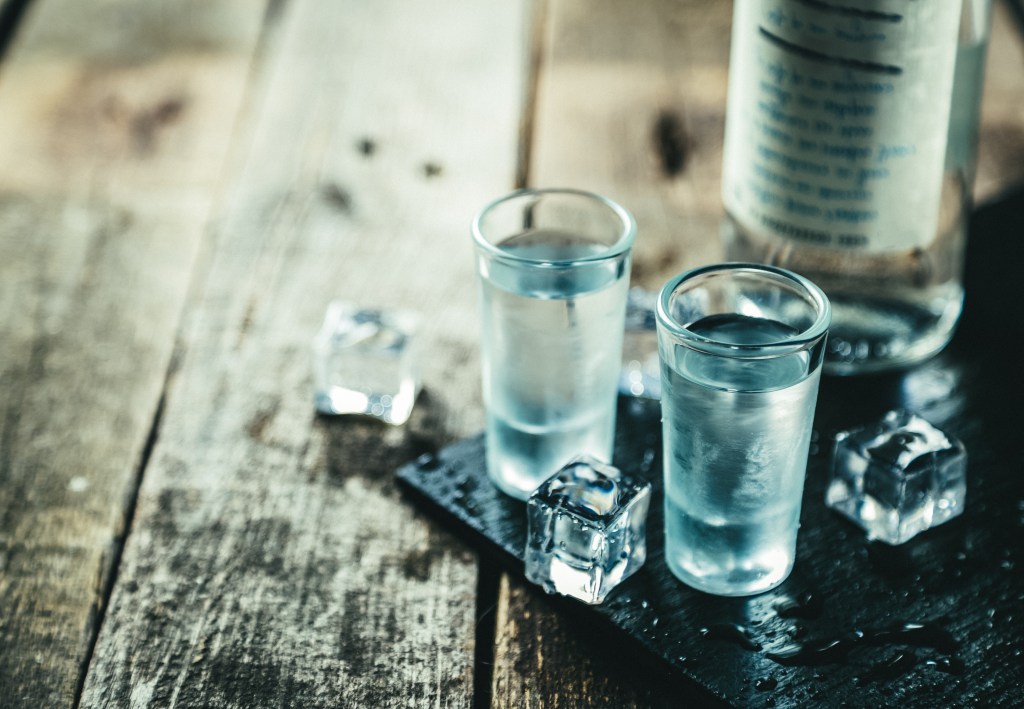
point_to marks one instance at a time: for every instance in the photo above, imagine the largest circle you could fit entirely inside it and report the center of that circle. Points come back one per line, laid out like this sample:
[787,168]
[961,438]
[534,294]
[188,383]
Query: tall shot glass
[554,273]
[741,348]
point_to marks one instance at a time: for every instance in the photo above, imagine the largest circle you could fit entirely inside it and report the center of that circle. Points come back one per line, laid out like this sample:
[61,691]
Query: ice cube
[641,369]
[586,529]
[364,363]
[898,477]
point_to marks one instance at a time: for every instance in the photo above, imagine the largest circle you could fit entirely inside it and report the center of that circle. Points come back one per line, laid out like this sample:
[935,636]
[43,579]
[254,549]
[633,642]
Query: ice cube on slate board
[364,363]
[898,477]
[586,529]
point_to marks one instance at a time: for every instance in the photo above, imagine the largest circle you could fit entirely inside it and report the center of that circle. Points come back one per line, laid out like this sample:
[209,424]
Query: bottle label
[838,119]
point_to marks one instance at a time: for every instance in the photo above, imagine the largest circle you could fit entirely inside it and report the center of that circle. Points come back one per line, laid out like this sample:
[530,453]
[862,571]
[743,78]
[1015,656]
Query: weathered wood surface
[1001,134]
[114,119]
[271,561]
[541,660]
[631,103]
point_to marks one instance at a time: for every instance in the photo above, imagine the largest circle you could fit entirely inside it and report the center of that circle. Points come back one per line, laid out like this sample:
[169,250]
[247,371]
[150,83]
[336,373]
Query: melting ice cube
[898,477]
[364,363]
[586,530]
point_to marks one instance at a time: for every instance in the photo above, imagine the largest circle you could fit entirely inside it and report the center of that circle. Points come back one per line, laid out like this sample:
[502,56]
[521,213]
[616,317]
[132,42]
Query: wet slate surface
[938,621]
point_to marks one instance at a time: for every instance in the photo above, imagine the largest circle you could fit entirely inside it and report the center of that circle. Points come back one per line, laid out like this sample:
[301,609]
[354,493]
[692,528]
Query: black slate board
[961,580]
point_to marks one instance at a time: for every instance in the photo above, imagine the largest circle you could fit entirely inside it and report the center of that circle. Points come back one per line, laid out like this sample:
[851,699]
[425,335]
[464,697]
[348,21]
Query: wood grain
[544,660]
[270,560]
[271,557]
[1001,133]
[113,130]
[631,103]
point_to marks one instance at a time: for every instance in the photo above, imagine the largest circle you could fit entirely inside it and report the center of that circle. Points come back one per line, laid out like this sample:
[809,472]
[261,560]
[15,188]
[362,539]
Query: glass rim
[627,233]
[805,339]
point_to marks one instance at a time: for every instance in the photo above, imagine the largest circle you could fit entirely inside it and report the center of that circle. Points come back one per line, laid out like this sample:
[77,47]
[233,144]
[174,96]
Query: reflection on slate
[938,621]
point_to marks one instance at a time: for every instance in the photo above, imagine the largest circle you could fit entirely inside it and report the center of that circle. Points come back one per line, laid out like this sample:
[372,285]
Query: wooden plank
[543,660]
[271,560]
[631,103]
[1001,133]
[113,128]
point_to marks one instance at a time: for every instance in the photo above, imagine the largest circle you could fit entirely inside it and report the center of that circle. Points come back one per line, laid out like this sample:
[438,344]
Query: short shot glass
[553,271]
[741,348]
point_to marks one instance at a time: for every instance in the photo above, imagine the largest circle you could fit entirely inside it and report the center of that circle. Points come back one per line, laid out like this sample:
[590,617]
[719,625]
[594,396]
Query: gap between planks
[488,579]
[1016,8]
[534,54]
[108,575]
[11,12]
[117,546]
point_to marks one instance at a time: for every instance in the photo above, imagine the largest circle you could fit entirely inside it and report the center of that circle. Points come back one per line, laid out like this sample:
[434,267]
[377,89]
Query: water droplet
[648,459]
[920,634]
[949,665]
[428,461]
[896,666]
[731,632]
[766,684]
[814,652]
[823,651]
[806,605]
[1002,616]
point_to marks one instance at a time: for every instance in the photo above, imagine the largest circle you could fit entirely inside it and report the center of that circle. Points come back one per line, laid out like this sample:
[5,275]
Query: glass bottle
[849,157]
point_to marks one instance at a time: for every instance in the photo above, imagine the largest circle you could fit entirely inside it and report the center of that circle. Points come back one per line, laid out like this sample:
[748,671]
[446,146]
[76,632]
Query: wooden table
[185,185]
